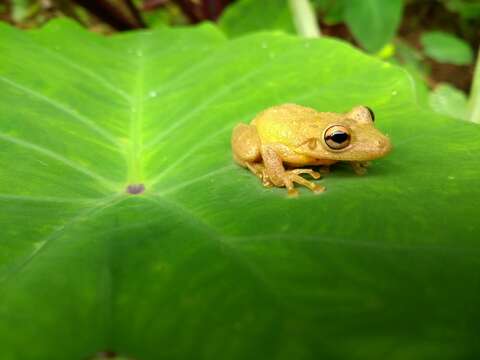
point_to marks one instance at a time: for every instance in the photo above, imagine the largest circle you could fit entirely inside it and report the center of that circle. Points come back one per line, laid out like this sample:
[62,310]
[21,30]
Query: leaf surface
[206,263]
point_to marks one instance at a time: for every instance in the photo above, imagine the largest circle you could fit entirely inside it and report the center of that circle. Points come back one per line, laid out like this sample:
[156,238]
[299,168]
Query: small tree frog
[281,140]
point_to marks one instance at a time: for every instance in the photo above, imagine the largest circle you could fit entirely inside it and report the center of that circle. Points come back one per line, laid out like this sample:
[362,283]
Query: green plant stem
[474,101]
[304,18]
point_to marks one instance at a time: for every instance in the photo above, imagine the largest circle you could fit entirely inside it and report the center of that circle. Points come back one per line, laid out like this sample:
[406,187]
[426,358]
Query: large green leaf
[206,263]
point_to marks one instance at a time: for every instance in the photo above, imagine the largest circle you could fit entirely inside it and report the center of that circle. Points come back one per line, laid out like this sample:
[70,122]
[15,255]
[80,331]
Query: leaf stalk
[304,18]
[474,100]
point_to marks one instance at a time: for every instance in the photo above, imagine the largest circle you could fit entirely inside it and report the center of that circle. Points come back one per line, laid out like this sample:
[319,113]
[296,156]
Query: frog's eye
[372,114]
[337,137]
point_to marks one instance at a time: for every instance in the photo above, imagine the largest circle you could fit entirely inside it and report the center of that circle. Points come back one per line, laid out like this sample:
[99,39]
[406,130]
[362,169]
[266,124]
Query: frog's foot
[259,170]
[292,176]
[360,167]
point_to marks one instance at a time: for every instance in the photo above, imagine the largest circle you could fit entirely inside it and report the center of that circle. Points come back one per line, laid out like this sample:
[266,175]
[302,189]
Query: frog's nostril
[382,144]
[385,145]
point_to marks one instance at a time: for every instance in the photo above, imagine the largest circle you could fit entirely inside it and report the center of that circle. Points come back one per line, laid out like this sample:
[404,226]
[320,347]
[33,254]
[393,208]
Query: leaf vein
[60,158]
[192,150]
[87,72]
[88,213]
[62,107]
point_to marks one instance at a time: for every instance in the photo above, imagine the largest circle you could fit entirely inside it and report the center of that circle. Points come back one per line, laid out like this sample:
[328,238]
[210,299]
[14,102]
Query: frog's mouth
[384,146]
[371,150]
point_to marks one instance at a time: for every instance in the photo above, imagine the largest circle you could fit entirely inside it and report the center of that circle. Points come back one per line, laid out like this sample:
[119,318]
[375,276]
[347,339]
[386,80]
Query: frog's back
[283,122]
[283,113]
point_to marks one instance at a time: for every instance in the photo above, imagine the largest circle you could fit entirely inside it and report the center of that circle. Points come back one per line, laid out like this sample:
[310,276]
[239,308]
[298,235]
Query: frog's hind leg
[246,150]
[259,170]
[245,144]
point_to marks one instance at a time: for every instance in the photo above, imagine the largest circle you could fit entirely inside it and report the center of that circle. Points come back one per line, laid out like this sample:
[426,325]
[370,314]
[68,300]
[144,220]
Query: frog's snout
[384,145]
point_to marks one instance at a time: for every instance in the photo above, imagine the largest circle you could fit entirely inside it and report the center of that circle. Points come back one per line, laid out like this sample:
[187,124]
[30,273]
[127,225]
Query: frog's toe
[312,173]
[295,178]
[316,175]
[292,192]
[318,189]
[360,167]
[266,182]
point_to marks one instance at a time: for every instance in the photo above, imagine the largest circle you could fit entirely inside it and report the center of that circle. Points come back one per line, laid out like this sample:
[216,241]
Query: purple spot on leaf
[135,189]
[103,355]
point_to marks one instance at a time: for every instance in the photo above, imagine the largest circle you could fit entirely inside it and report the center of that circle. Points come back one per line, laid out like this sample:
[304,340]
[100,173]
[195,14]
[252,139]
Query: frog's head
[351,136]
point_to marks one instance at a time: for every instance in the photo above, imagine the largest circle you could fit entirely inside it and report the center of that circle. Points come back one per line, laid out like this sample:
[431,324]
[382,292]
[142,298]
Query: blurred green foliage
[446,48]
[331,12]
[252,15]
[22,9]
[374,26]
[468,9]
[373,23]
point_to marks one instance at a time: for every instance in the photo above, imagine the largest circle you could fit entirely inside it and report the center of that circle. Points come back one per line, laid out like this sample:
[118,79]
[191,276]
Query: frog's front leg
[276,173]
[360,167]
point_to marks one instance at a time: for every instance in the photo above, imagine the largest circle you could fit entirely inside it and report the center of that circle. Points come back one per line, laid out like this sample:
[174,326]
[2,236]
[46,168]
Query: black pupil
[339,137]
[372,115]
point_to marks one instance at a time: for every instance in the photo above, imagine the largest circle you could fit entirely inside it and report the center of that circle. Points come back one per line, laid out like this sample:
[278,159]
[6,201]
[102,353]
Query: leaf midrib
[134,153]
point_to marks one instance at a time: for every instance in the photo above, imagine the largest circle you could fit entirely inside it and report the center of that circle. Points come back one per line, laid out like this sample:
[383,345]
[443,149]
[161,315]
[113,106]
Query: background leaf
[468,9]
[330,11]
[373,23]
[446,48]
[410,59]
[448,100]
[207,263]
[22,9]
[246,16]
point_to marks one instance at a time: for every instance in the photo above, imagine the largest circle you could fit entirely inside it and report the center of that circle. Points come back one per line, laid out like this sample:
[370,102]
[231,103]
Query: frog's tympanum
[283,139]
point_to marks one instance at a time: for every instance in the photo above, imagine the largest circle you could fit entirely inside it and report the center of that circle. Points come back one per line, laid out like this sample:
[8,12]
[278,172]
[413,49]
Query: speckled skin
[293,136]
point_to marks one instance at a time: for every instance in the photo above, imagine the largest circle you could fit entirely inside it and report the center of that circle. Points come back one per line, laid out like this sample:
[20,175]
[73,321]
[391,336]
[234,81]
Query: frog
[286,141]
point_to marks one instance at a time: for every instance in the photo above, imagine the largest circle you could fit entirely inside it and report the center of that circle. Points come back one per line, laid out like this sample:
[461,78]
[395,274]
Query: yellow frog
[283,139]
